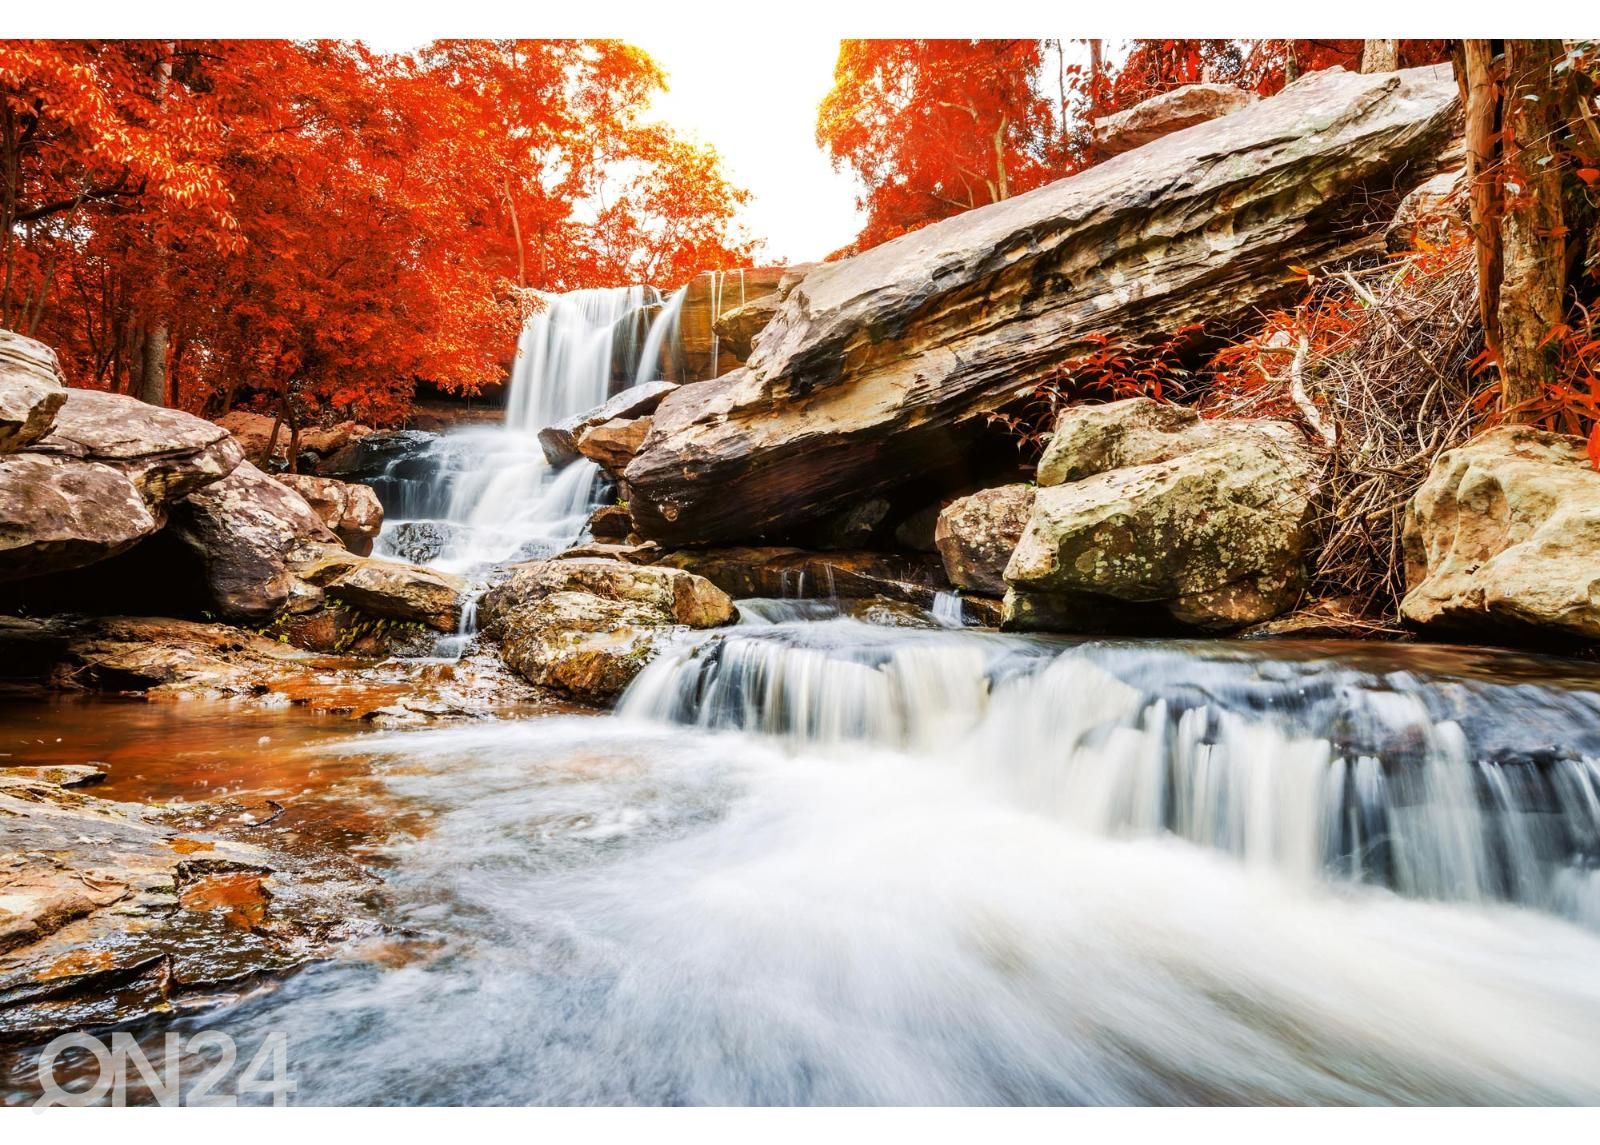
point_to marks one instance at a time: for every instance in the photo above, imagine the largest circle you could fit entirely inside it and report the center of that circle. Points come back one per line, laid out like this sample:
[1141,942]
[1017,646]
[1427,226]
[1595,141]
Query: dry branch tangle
[871,371]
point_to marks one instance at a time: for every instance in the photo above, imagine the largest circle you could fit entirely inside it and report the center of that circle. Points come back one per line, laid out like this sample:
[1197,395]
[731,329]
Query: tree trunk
[1379,56]
[153,365]
[1476,72]
[153,388]
[1532,238]
[1002,190]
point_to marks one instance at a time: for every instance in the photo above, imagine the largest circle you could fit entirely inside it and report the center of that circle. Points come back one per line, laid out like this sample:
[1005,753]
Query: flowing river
[810,859]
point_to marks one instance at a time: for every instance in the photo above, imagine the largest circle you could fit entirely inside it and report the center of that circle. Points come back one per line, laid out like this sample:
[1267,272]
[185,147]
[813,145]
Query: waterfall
[947,610]
[1448,790]
[484,496]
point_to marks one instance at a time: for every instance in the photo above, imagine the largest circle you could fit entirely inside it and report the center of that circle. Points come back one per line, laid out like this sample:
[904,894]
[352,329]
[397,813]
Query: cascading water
[812,860]
[482,496]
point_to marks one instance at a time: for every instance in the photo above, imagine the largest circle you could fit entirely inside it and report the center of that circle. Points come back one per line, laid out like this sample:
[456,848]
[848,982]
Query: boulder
[878,370]
[1163,114]
[679,597]
[58,514]
[1158,519]
[351,510]
[587,626]
[166,453]
[612,444]
[560,441]
[610,523]
[418,542]
[737,328]
[976,535]
[32,389]
[1503,539]
[251,533]
[390,589]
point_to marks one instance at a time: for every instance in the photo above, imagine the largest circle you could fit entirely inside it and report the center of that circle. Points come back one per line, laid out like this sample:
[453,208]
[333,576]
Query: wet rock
[166,453]
[737,328]
[110,912]
[701,352]
[798,573]
[880,368]
[612,444]
[560,441]
[390,589]
[1155,518]
[1501,539]
[645,554]
[419,542]
[1163,114]
[32,389]
[976,535]
[251,533]
[679,597]
[351,510]
[610,523]
[587,627]
[374,455]
[58,514]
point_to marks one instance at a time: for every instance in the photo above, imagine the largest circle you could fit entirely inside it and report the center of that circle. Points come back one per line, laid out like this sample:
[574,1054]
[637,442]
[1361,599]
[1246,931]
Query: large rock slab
[166,453]
[350,509]
[390,589]
[976,536]
[878,369]
[251,533]
[58,514]
[587,626]
[32,389]
[612,444]
[1503,539]
[1161,115]
[1157,519]
[560,441]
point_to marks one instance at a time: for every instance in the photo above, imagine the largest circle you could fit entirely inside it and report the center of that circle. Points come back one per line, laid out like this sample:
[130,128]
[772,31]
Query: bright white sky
[762,119]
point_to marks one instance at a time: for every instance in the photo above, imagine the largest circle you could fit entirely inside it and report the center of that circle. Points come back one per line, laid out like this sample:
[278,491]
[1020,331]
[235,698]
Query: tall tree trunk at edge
[1532,239]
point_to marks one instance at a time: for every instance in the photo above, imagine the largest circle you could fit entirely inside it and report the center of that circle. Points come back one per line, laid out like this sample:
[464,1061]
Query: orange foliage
[934,127]
[320,226]
[928,125]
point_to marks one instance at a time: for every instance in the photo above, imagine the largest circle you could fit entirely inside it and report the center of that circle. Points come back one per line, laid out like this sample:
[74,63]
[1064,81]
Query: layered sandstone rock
[31,391]
[350,509]
[1152,518]
[588,626]
[560,441]
[1503,537]
[976,536]
[612,444]
[1163,114]
[89,474]
[251,533]
[877,370]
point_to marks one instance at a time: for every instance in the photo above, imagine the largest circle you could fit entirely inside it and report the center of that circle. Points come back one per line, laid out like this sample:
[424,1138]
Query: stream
[819,861]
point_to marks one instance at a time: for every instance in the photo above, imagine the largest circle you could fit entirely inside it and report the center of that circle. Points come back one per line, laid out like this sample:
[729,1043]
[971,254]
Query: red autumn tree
[315,227]
[934,127]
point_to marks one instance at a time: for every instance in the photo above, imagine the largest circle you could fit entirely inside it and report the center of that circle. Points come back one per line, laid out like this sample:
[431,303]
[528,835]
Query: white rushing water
[487,492]
[822,862]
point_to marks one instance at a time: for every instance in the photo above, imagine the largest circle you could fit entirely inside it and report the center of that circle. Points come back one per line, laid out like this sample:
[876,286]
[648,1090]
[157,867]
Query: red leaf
[1589,175]
[1594,446]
